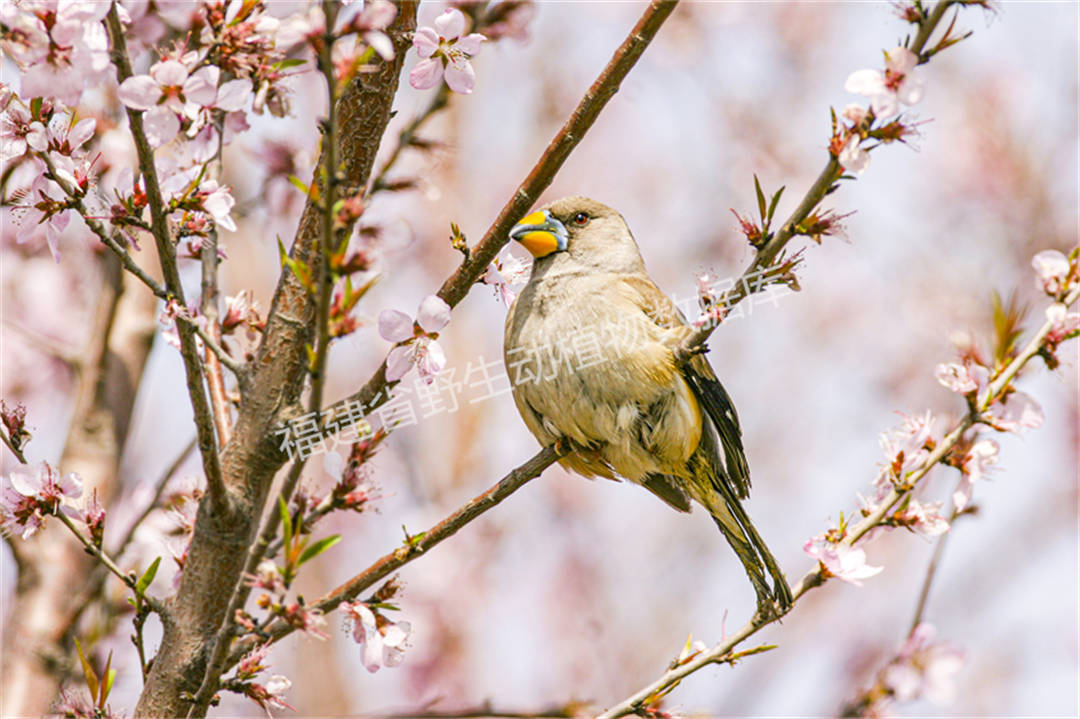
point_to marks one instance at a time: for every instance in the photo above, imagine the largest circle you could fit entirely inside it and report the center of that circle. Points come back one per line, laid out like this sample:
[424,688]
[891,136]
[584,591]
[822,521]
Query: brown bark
[223,531]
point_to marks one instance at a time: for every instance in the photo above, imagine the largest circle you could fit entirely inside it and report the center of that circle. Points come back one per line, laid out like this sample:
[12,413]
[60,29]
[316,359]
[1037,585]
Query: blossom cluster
[908,448]
[923,668]
[900,83]
[28,496]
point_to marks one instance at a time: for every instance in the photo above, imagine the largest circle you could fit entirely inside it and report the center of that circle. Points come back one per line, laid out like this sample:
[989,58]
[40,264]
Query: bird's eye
[580,218]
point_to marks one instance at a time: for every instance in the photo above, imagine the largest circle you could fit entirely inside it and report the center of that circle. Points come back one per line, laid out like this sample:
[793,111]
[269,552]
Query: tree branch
[159,226]
[821,187]
[572,132]
[276,378]
[635,703]
[418,545]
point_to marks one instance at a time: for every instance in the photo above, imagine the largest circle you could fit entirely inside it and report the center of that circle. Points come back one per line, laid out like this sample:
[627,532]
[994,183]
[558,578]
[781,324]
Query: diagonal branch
[822,186]
[814,578]
[573,131]
[417,546]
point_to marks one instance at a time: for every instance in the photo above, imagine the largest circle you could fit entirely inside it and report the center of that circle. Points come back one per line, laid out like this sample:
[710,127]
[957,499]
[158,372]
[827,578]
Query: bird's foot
[768,609]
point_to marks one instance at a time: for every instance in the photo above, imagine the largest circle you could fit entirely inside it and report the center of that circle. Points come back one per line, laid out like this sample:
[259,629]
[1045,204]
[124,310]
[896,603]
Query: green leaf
[760,198]
[283,255]
[775,201]
[147,577]
[286,522]
[298,184]
[88,671]
[318,548]
[107,684]
[288,63]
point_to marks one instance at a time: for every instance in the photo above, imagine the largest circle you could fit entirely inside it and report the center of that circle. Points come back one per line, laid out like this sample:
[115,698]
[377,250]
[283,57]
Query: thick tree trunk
[218,547]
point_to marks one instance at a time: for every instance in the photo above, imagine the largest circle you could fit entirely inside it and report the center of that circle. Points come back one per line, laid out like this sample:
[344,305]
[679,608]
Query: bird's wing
[702,380]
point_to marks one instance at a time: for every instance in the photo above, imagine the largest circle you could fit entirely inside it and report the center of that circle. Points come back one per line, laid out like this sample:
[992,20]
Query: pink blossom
[218,202]
[19,514]
[900,82]
[267,576]
[1051,271]
[923,518]
[854,113]
[67,57]
[29,495]
[18,132]
[419,346]
[924,669]
[978,461]
[370,23]
[170,85]
[905,447]
[504,272]
[853,157]
[48,209]
[446,52]
[240,308]
[838,559]
[1062,322]
[383,641]
[962,378]
[1018,411]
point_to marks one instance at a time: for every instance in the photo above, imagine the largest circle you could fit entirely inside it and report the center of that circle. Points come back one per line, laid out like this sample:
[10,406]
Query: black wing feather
[721,412]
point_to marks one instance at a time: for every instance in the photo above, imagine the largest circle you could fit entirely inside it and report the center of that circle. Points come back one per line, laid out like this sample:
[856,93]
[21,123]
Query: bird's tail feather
[731,517]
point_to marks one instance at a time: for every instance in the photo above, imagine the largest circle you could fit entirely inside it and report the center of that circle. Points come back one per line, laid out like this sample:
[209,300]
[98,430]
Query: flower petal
[201,87]
[461,77]
[434,314]
[83,131]
[450,24]
[865,82]
[160,125]
[470,44]
[426,74]
[395,326]
[233,95]
[426,41]
[381,43]
[139,92]
[169,73]
[399,362]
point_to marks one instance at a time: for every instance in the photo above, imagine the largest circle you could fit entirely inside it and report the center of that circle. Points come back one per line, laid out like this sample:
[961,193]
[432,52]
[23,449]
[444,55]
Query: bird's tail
[731,517]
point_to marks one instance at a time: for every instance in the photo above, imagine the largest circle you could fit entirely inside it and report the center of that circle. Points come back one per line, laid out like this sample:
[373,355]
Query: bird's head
[586,231]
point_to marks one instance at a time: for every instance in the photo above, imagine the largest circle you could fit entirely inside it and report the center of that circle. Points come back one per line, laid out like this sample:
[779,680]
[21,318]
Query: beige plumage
[589,350]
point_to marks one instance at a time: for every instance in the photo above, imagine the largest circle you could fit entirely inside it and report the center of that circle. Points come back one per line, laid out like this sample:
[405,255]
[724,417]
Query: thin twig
[931,571]
[417,546]
[408,133]
[215,379]
[98,229]
[106,560]
[814,577]
[11,445]
[454,289]
[159,489]
[821,187]
[159,226]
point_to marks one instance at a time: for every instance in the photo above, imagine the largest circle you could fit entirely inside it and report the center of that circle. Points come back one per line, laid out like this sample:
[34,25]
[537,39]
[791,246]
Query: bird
[590,351]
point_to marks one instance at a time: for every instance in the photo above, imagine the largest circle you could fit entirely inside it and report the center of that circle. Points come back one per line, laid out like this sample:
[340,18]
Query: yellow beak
[540,234]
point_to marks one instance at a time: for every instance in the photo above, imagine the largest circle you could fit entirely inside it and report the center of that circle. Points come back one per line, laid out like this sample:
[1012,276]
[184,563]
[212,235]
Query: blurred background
[579,590]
